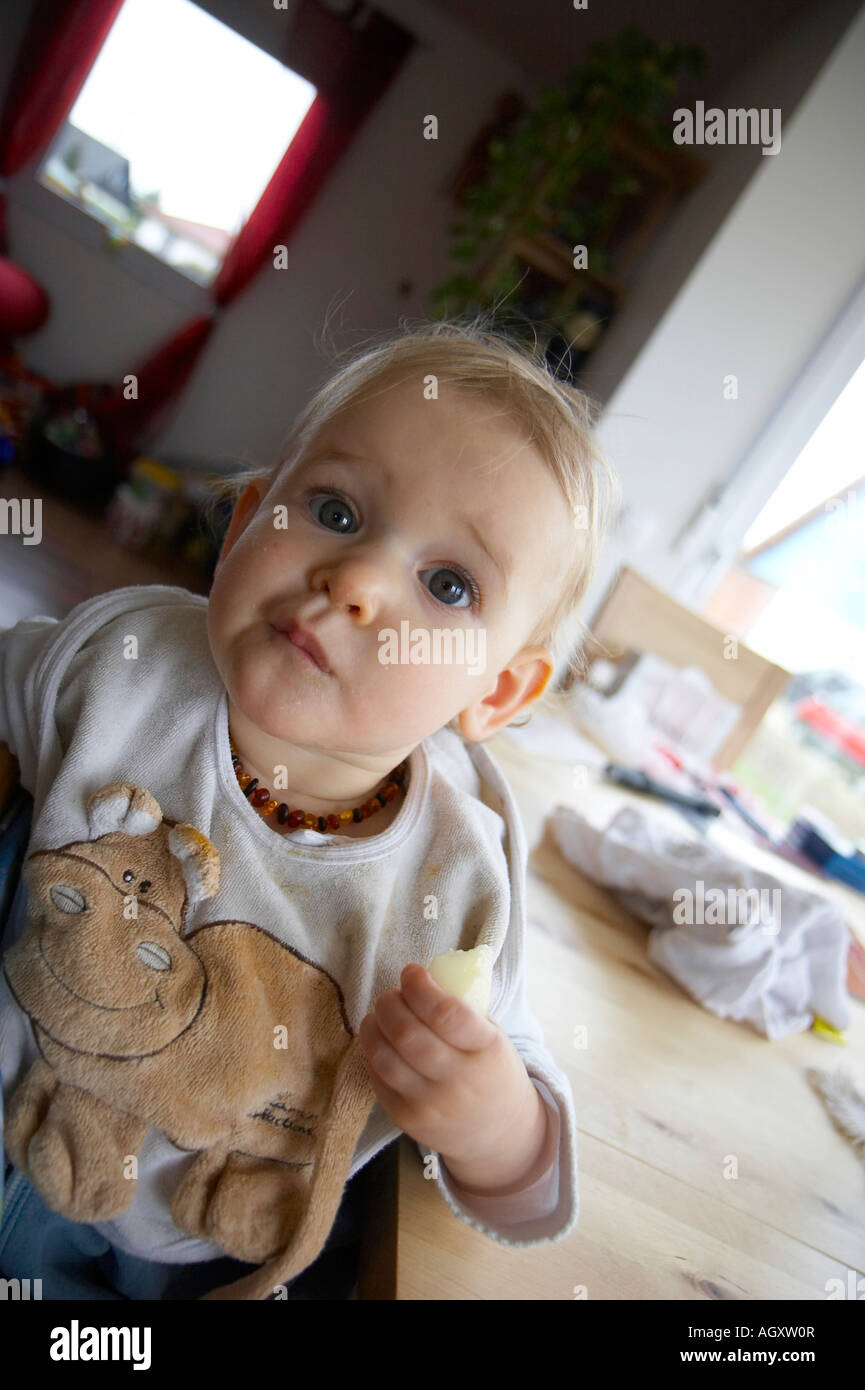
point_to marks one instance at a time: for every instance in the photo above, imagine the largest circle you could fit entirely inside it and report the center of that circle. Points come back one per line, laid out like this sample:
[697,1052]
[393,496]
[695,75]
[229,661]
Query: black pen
[640,782]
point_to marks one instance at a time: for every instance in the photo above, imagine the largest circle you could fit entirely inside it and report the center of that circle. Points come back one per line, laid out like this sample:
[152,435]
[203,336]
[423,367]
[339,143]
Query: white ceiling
[548,38]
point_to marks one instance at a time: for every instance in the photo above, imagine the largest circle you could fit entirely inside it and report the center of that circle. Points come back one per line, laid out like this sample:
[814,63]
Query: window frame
[140,265]
[836,357]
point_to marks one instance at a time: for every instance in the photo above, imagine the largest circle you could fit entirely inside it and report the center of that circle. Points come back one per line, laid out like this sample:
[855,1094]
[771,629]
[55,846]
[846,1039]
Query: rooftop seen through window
[176,133]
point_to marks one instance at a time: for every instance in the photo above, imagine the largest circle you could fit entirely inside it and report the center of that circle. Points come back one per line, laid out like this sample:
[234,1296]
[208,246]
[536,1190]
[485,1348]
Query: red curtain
[60,45]
[350,59]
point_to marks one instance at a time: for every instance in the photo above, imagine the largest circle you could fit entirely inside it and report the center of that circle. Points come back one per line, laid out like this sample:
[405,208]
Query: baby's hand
[448,1077]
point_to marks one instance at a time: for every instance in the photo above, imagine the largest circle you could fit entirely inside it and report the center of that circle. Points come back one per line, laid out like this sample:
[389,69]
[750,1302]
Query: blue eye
[457,582]
[340,509]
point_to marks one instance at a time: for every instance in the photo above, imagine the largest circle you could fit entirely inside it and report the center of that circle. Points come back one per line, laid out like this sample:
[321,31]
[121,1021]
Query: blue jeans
[74,1261]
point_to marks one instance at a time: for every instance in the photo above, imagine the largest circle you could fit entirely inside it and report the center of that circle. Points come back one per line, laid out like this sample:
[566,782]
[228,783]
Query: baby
[443,487]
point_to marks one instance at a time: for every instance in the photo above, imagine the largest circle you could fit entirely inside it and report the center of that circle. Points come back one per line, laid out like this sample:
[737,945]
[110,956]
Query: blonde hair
[556,418]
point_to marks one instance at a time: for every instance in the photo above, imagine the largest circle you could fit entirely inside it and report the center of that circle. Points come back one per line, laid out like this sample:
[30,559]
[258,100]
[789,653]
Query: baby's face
[355,549]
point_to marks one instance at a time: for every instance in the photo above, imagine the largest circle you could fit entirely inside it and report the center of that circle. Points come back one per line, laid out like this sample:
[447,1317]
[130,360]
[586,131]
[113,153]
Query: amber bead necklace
[266,805]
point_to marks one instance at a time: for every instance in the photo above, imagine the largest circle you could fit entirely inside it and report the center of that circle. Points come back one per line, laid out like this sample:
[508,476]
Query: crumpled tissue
[774,957]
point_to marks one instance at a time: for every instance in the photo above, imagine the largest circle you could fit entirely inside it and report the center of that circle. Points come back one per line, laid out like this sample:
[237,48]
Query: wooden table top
[670,1102]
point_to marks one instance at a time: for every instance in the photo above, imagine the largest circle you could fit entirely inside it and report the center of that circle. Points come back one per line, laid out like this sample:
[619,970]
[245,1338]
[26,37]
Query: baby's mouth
[304,642]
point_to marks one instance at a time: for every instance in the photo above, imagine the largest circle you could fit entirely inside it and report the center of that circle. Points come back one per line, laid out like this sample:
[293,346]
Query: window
[802,558]
[176,133]
[796,594]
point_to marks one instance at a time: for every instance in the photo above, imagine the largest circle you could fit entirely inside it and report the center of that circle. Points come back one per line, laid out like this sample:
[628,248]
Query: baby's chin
[329,728]
[284,700]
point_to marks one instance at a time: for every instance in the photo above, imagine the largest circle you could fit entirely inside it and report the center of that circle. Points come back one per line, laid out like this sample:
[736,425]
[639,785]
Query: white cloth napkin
[776,967]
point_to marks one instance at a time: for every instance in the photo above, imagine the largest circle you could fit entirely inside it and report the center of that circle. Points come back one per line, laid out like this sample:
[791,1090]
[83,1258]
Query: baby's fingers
[451,1019]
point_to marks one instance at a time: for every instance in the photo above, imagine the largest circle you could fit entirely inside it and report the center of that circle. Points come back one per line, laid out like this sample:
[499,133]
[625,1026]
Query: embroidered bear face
[106,955]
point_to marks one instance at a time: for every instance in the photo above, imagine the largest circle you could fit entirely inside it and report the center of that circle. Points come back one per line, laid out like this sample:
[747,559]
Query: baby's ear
[518,685]
[466,729]
[245,508]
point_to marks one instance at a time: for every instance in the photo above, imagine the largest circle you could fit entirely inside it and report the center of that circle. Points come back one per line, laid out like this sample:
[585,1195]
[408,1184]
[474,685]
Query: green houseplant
[562,139]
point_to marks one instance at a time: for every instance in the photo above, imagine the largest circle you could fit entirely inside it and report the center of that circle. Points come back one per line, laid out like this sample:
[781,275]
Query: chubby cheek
[216,634]
[408,702]
[232,604]
[247,574]
[221,619]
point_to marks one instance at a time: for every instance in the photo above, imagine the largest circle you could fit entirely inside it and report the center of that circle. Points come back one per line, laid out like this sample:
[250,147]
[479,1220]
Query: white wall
[777,274]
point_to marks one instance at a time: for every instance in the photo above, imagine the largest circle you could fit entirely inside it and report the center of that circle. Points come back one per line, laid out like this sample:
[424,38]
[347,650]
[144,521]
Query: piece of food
[467,974]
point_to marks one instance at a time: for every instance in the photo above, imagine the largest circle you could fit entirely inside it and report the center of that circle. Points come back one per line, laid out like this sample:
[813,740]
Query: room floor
[75,559]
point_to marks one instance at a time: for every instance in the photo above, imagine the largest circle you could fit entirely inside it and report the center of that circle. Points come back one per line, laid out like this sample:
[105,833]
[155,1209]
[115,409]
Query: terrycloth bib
[234,1045]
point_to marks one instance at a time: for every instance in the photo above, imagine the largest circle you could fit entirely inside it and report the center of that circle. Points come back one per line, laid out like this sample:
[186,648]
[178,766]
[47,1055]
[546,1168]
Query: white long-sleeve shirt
[81,706]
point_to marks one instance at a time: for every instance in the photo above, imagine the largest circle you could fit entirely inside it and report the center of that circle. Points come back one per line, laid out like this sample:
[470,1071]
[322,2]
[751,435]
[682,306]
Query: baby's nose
[358,587]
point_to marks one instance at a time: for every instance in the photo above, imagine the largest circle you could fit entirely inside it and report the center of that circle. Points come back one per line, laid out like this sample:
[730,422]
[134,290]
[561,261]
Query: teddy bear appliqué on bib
[233,1044]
